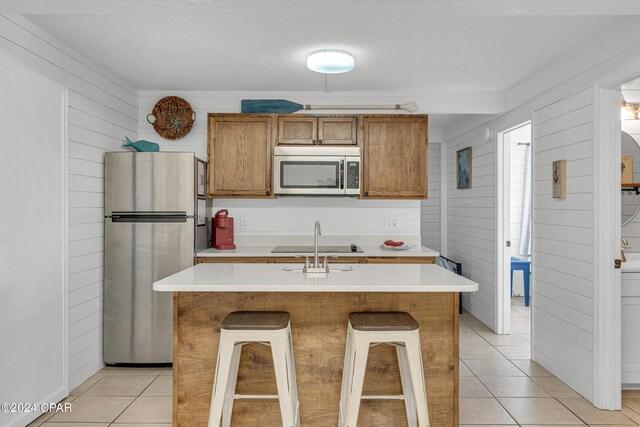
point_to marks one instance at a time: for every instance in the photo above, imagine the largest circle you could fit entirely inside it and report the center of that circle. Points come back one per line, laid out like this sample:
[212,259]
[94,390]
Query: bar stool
[272,328]
[399,329]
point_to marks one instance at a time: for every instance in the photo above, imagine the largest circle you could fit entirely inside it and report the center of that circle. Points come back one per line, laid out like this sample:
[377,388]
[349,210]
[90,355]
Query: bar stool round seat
[400,330]
[256,320]
[383,321]
[272,328]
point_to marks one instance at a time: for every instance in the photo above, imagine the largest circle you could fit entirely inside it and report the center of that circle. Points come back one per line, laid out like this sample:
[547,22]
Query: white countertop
[368,251]
[236,277]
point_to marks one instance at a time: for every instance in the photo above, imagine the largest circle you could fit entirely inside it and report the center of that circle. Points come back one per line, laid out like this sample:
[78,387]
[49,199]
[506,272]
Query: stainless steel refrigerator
[151,232]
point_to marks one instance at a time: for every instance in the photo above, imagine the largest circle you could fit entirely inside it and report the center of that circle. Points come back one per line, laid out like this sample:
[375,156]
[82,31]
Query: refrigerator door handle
[149,217]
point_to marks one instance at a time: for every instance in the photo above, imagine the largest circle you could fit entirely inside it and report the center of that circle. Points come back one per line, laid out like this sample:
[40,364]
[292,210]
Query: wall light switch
[391,222]
[244,223]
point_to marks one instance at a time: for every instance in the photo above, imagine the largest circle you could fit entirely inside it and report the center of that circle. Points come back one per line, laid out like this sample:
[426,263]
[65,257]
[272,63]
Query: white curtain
[525,215]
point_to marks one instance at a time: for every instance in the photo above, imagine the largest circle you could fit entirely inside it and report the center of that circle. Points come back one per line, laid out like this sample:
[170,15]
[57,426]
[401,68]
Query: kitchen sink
[321,249]
[332,269]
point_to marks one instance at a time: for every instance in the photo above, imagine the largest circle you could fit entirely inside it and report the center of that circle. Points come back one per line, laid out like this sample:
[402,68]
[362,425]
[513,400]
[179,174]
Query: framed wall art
[202,213]
[559,179]
[464,166]
[201,178]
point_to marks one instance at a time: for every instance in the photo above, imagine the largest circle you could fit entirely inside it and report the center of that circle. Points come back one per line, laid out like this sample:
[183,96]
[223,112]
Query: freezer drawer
[137,320]
[149,182]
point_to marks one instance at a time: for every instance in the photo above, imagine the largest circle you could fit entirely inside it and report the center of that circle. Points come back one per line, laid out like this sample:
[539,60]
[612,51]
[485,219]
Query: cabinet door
[395,157]
[297,130]
[337,131]
[240,149]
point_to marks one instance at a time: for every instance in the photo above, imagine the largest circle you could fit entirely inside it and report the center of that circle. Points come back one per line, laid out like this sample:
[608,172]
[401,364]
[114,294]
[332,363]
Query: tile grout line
[557,399]
[479,380]
[131,403]
[127,407]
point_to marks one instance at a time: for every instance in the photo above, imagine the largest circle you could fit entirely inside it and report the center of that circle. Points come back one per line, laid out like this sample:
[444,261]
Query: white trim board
[608,299]
[503,186]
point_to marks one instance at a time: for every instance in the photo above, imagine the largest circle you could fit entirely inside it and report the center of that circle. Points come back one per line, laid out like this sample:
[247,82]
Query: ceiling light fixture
[629,110]
[330,61]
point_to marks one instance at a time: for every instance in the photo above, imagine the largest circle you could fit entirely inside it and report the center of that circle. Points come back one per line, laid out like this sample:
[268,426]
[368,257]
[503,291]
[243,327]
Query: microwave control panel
[353,175]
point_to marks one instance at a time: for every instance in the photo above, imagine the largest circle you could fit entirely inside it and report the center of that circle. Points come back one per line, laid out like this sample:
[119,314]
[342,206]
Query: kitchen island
[319,305]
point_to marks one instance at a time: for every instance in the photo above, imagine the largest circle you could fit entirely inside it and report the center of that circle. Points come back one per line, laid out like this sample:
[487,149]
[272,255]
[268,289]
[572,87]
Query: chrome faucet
[316,267]
[625,244]
[316,234]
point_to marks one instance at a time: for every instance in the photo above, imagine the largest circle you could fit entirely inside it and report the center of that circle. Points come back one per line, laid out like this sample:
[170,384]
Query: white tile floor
[499,385]
[119,397]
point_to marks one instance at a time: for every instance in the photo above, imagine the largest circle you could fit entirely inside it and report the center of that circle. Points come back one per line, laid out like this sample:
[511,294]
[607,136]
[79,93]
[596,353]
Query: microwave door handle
[342,174]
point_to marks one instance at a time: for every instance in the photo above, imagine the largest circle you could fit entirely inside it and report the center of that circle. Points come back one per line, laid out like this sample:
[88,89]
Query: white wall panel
[471,224]
[33,315]
[563,318]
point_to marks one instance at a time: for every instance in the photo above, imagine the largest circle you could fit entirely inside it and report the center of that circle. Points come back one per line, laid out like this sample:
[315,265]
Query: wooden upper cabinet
[317,130]
[394,157]
[240,152]
[301,130]
[337,131]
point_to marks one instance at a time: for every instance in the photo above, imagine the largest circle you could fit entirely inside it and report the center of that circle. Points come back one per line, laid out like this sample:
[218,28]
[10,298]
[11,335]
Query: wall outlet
[391,222]
[244,223]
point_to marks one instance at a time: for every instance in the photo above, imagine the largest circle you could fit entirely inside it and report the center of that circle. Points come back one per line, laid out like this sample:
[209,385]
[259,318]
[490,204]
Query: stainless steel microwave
[316,171]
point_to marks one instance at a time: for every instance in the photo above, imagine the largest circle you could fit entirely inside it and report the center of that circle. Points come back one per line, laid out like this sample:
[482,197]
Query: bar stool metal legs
[371,329]
[242,328]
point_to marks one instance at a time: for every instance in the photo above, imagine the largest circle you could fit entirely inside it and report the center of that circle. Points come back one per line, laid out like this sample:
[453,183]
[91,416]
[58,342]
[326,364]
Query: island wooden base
[319,326]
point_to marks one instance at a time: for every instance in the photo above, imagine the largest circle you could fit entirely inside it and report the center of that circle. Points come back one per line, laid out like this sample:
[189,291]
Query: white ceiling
[231,46]
[443,120]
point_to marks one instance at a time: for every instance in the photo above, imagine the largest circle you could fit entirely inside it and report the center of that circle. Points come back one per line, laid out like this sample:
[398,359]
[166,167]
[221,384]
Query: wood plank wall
[471,224]
[564,241]
[102,110]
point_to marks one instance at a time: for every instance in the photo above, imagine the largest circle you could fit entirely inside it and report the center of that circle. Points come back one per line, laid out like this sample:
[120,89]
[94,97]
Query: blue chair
[525,266]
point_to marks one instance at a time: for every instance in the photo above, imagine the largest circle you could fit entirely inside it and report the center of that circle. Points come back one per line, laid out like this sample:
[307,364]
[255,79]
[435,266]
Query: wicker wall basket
[172,117]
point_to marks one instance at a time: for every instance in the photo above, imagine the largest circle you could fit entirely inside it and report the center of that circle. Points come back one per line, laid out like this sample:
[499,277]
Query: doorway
[629,148]
[515,234]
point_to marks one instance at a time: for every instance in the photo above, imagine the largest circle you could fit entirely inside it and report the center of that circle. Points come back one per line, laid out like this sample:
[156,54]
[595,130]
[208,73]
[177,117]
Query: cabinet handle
[319,141]
[267,192]
[366,193]
[313,141]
